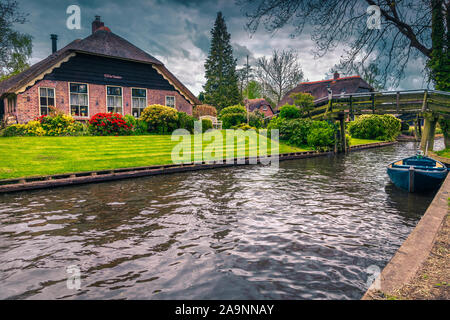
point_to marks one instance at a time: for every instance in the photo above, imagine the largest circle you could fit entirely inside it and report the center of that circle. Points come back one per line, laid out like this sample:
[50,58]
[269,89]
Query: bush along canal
[315,229]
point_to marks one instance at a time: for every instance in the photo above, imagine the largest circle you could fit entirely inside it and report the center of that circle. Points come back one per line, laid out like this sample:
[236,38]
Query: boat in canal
[417,173]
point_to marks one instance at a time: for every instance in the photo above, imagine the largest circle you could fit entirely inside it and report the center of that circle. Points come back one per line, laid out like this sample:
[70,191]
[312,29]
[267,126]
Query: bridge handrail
[369,94]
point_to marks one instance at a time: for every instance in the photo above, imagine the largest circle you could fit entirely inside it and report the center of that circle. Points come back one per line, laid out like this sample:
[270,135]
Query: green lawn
[357,142]
[34,156]
[444,153]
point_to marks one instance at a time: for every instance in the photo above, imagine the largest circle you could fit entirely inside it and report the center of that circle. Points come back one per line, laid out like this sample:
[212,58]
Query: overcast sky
[178,34]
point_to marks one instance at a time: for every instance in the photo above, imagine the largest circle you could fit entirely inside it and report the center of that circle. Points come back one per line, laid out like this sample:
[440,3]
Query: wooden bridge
[417,104]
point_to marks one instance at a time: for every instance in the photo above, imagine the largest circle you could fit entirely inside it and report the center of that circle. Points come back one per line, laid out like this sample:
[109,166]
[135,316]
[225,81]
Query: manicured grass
[357,142]
[444,153]
[34,156]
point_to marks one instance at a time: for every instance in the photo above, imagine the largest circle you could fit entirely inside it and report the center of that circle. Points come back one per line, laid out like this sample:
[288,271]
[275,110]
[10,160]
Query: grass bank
[34,156]
[358,142]
[444,153]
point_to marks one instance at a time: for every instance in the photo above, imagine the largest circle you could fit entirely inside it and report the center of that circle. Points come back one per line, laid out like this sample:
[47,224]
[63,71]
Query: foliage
[444,123]
[233,116]
[206,125]
[15,47]
[109,124]
[321,136]
[256,119]
[379,127]
[280,73]
[404,126]
[289,112]
[409,29]
[304,101]
[186,121]
[204,110]
[60,125]
[245,127]
[253,90]
[301,132]
[221,88]
[160,119]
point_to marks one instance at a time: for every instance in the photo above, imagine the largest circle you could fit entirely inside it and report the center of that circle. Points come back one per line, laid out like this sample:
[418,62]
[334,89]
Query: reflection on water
[309,230]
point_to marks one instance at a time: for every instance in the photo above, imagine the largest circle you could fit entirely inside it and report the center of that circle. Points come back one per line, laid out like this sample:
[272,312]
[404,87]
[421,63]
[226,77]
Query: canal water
[312,230]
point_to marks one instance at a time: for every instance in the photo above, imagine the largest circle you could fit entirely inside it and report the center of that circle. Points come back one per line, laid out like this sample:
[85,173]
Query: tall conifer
[221,88]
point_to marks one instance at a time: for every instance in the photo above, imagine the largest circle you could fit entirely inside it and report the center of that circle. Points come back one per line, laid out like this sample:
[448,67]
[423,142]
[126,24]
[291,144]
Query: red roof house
[338,85]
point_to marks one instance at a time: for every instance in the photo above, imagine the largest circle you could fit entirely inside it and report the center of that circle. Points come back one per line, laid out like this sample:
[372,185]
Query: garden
[58,144]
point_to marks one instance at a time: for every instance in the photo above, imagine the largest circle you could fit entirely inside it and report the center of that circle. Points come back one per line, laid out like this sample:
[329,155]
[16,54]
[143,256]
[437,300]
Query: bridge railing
[393,102]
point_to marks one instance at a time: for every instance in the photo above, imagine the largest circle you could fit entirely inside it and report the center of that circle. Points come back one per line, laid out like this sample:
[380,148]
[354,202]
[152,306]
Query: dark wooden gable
[109,71]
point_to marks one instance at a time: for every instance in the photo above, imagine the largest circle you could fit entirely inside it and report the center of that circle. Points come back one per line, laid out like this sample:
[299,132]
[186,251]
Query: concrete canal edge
[415,249]
[59,180]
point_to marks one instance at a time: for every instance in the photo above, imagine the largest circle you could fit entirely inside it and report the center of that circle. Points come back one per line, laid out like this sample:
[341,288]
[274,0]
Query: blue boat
[417,174]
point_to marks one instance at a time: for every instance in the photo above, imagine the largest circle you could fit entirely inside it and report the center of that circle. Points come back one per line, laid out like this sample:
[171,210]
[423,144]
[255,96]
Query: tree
[371,74]
[221,88]
[408,29]
[279,74]
[15,47]
[304,101]
[253,90]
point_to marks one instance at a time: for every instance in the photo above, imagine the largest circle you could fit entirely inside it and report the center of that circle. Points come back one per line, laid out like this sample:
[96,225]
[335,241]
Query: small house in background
[100,73]
[260,105]
[337,85]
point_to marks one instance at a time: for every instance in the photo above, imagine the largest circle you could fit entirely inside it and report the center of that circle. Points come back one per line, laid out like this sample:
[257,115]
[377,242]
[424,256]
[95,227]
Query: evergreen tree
[221,88]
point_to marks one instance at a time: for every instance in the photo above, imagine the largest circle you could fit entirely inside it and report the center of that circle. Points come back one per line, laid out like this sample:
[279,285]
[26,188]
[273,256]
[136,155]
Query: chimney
[97,24]
[54,38]
[336,76]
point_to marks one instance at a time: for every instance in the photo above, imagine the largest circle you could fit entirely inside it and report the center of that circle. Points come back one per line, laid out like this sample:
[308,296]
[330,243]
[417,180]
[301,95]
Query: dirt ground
[432,281]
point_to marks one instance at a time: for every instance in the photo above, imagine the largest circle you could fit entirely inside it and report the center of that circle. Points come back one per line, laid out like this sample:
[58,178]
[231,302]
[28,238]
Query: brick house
[260,105]
[101,73]
[337,85]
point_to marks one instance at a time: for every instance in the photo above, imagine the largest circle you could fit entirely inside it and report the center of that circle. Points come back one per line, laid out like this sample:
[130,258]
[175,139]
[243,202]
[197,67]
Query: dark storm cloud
[176,32]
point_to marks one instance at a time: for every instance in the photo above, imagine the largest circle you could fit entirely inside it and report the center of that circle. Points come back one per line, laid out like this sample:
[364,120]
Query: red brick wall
[28,101]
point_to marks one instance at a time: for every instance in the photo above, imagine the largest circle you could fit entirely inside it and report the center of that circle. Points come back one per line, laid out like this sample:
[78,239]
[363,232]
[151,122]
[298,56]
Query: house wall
[28,105]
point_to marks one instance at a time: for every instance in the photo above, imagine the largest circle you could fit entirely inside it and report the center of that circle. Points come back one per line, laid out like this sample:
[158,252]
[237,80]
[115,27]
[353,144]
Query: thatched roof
[102,42]
[319,88]
[255,104]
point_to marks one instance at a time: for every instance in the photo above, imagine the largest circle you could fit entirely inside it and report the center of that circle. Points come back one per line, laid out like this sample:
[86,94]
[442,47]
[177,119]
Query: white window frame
[54,97]
[174,101]
[70,104]
[146,99]
[121,95]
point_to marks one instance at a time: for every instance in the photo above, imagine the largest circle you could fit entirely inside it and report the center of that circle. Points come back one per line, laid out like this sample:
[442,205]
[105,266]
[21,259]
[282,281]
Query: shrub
[256,119]
[106,124]
[404,126]
[233,116]
[378,127]
[160,119]
[301,132]
[304,101]
[289,112]
[14,130]
[204,110]
[321,136]
[60,125]
[245,127]
[206,124]
[186,121]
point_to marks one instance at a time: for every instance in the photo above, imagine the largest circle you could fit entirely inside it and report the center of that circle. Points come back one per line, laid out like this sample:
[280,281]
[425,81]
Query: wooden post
[352,115]
[343,140]
[398,102]
[373,103]
[429,128]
